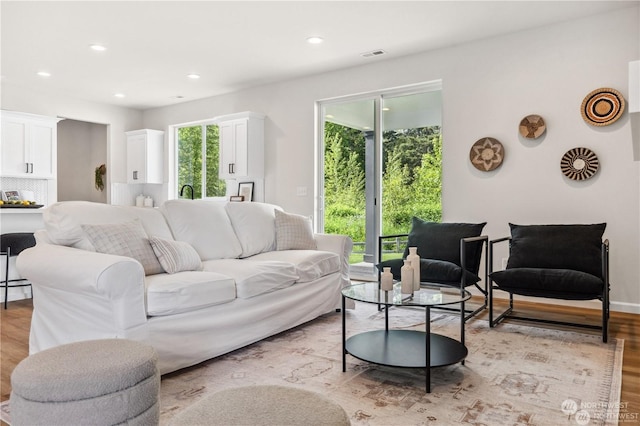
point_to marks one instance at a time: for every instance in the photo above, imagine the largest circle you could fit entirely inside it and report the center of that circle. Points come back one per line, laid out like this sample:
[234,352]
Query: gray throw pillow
[293,232]
[124,239]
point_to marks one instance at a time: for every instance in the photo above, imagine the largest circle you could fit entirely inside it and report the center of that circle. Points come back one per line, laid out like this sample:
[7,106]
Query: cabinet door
[136,159]
[42,150]
[14,147]
[233,149]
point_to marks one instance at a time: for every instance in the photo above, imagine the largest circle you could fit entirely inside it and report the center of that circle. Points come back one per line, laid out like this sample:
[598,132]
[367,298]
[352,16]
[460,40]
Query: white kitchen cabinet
[145,153]
[241,146]
[29,145]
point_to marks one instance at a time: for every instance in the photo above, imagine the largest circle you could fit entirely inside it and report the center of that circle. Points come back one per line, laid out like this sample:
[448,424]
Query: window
[198,162]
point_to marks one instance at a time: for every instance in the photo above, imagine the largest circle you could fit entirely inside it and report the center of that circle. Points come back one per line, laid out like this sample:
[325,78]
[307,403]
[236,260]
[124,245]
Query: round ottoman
[263,405]
[95,382]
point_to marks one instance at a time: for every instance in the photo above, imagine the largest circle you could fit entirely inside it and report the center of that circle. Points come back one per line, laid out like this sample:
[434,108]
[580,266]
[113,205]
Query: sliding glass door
[379,165]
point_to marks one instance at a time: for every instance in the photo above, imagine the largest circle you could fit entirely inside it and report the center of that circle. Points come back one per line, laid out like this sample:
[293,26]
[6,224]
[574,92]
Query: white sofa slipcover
[244,291]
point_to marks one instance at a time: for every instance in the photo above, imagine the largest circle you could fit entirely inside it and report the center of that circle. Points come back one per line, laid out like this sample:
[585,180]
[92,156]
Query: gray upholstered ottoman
[96,382]
[263,405]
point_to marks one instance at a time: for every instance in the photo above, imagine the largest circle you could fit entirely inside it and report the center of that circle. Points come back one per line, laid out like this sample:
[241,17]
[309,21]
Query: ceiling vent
[373,53]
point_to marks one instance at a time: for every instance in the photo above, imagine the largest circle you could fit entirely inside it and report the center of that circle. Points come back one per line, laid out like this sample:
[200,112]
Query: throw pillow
[124,239]
[576,247]
[293,232]
[175,256]
[441,241]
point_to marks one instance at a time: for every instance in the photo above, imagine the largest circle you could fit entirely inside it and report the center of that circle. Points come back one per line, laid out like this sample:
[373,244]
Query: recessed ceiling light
[119,95]
[328,116]
[314,40]
[98,47]
[44,74]
[193,76]
[178,97]
[386,109]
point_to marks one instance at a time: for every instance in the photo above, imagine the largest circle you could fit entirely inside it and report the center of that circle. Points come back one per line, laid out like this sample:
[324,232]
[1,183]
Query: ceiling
[232,45]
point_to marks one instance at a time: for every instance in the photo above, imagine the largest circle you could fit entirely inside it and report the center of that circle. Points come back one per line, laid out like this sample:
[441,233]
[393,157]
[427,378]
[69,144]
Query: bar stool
[10,246]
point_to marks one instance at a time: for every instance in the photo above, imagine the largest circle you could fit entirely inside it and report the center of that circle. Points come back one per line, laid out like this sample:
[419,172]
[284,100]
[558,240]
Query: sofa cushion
[175,256]
[432,271]
[254,277]
[169,294]
[293,232]
[560,283]
[63,221]
[205,225]
[577,247]
[124,239]
[254,225]
[310,264]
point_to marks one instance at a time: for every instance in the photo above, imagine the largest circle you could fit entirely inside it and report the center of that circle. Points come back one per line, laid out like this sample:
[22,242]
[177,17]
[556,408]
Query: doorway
[82,149]
[379,164]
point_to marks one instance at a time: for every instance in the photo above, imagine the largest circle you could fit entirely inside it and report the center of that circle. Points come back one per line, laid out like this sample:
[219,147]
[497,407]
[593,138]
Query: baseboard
[630,308]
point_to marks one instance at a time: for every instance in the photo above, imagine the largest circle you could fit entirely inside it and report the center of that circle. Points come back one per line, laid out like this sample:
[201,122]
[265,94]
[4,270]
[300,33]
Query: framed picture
[10,195]
[236,198]
[245,189]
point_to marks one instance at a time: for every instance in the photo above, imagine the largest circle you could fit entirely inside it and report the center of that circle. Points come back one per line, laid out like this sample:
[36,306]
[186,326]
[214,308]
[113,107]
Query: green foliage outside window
[190,160]
[411,179]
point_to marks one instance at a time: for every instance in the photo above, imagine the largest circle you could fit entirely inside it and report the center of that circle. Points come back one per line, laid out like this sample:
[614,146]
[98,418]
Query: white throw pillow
[294,232]
[254,224]
[175,256]
[124,239]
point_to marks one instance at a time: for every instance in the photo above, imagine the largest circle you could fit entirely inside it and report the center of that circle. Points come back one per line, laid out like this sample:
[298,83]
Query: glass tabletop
[428,295]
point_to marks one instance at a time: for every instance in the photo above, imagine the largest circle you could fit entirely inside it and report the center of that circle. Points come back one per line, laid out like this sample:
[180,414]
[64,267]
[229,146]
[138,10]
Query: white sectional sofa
[239,272]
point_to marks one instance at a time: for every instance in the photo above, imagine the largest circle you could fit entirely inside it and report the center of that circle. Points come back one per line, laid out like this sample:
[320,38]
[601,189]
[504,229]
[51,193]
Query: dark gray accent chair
[450,255]
[569,262]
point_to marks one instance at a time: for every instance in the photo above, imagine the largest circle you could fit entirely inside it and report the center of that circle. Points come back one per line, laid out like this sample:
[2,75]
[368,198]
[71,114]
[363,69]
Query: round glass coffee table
[405,348]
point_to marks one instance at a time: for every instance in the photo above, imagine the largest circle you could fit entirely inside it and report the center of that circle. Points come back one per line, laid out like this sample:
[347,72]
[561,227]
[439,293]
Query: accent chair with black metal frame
[11,245]
[445,250]
[569,262]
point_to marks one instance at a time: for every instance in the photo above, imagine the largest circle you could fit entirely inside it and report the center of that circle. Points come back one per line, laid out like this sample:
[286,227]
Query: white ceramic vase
[414,258]
[406,278]
[386,279]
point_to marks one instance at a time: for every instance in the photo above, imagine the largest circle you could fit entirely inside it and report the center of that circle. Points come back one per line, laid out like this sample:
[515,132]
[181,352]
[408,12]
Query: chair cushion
[441,241]
[576,247]
[433,271]
[543,282]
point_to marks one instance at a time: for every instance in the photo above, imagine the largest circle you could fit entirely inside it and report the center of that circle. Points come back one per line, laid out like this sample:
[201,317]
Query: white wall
[488,87]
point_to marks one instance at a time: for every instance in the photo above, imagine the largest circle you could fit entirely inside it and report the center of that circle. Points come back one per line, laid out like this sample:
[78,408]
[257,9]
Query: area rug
[513,375]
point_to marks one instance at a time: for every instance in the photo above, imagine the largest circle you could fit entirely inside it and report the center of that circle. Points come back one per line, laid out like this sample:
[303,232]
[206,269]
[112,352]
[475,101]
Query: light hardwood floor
[15,322]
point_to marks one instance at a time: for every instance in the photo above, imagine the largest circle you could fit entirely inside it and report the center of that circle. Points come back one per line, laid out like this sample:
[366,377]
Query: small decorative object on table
[246,190]
[415,265]
[406,278]
[386,279]
[236,198]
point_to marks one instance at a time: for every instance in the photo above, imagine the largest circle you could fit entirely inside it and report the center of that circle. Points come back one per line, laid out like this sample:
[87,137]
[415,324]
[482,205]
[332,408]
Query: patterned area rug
[513,375]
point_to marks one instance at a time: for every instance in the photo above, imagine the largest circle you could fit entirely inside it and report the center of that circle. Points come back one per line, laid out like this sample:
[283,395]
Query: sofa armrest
[93,294]
[341,245]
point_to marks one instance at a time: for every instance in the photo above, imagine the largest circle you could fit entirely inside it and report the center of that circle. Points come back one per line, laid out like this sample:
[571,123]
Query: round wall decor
[486,154]
[532,127]
[602,107]
[579,164]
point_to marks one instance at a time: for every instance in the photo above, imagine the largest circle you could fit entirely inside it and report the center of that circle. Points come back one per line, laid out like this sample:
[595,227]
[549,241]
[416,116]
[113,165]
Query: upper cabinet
[29,145]
[145,151]
[241,145]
